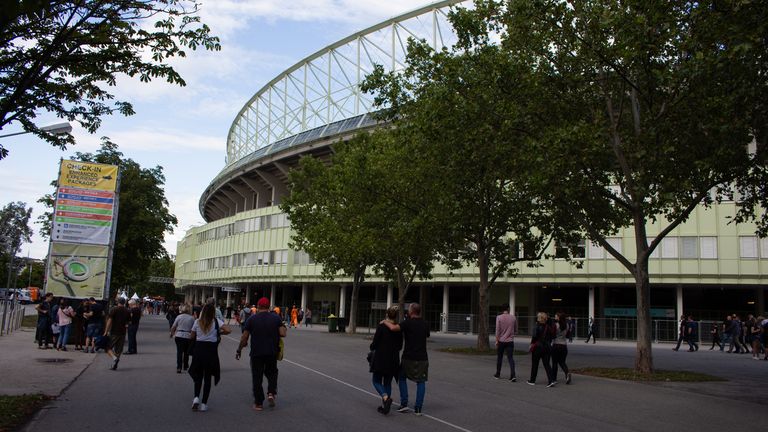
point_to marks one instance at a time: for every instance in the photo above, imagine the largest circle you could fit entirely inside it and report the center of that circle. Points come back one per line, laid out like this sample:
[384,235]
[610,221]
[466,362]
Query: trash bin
[332,324]
[342,324]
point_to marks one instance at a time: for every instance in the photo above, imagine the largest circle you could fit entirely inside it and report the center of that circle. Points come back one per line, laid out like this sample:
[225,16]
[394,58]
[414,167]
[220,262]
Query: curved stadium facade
[706,266]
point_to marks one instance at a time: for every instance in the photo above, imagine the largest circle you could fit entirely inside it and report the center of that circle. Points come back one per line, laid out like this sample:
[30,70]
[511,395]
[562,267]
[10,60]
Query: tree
[143,216]
[61,56]
[33,274]
[644,111]
[14,231]
[456,107]
[326,227]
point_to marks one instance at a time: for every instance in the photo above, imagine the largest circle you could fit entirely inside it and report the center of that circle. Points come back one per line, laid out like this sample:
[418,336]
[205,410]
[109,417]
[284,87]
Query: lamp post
[56,129]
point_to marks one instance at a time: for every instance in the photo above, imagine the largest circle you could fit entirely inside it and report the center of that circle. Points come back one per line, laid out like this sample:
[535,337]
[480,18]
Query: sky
[184,129]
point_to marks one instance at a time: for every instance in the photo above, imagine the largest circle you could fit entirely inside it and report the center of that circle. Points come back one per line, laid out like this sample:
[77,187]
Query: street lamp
[56,129]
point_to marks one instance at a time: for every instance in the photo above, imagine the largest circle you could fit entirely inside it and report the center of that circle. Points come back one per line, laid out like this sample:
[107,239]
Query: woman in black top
[541,348]
[385,363]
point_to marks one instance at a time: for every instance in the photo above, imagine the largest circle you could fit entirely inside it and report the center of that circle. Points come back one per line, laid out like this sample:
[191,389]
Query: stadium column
[229,298]
[760,297]
[215,294]
[248,296]
[446,297]
[679,299]
[591,302]
[272,294]
[304,290]
[342,299]
[390,292]
[512,299]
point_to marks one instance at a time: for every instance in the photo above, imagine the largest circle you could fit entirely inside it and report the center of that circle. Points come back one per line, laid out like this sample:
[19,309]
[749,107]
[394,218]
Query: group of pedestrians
[197,333]
[741,337]
[386,363]
[293,317]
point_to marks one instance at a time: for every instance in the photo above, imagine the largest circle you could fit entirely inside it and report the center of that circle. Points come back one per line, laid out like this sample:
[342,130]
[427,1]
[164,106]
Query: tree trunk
[644,358]
[482,314]
[402,290]
[357,280]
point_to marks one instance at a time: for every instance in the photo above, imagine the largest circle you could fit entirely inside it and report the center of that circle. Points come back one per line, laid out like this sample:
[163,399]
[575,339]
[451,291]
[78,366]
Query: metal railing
[11,316]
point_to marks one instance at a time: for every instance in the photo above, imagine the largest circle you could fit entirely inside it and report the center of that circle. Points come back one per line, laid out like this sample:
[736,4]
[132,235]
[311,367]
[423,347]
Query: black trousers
[542,355]
[559,353]
[132,330]
[182,352]
[508,348]
[262,366]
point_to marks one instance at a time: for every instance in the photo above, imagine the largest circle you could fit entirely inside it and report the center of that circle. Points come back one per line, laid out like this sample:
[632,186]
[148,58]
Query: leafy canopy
[61,56]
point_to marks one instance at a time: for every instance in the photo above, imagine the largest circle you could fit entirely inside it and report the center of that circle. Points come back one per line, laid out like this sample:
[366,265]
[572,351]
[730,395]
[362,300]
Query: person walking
[682,329]
[94,315]
[415,361]
[560,347]
[133,326]
[264,329]
[206,333]
[66,313]
[385,364]
[44,322]
[692,334]
[181,331]
[592,331]
[116,328]
[308,317]
[506,329]
[294,317]
[541,349]
[715,332]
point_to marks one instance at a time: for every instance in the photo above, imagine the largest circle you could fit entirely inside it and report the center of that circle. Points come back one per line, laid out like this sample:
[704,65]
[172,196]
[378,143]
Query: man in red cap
[265,330]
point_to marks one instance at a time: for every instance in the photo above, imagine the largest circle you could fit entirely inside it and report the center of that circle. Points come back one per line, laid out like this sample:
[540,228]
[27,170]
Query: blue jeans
[132,329]
[421,388]
[64,335]
[382,384]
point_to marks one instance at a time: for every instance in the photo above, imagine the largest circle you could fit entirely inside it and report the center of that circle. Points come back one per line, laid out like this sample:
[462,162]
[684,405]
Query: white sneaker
[203,407]
[195,404]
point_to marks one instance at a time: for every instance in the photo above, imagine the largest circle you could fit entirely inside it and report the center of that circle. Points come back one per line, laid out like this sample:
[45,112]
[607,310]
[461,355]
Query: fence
[617,329]
[12,315]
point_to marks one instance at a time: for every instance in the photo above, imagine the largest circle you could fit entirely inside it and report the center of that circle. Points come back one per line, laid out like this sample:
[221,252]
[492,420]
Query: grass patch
[29,321]
[474,351]
[17,410]
[628,374]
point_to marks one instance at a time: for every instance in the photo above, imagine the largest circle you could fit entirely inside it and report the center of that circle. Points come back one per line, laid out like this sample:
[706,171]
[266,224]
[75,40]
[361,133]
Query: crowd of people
[741,337]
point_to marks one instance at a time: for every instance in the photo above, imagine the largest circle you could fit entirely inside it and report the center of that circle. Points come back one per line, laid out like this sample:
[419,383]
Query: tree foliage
[643,111]
[61,56]
[464,111]
[143,216]
[14,231]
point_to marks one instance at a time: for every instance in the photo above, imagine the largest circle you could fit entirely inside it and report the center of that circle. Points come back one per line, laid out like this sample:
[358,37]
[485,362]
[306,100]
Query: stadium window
[596,251]
[748,247]
[689,247]
[708,247]
[764,248]
[577,250]
[669,247]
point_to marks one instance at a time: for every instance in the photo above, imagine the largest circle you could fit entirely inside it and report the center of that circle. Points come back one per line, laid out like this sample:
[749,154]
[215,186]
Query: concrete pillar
[446,298]
[248,296]
[304,293]
[229,298]
[390,294]
[272,294]
[342,300]
[760,300]
[512,299]
[215,295]
[591,302]
[679,300]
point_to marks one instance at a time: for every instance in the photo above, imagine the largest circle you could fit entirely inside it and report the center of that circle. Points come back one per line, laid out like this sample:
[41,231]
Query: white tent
[134,297]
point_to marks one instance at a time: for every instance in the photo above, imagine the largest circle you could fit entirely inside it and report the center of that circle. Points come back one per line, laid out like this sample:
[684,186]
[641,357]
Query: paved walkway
[325,385]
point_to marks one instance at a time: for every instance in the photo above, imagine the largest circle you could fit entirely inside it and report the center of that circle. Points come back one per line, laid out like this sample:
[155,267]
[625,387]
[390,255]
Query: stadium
[705,267]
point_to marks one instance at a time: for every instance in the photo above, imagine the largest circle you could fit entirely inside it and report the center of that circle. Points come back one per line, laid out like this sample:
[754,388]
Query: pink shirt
[506,327]
[65,315]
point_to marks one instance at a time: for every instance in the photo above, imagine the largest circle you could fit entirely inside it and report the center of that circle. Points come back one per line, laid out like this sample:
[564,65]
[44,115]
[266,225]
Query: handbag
[281,349]
[55,329]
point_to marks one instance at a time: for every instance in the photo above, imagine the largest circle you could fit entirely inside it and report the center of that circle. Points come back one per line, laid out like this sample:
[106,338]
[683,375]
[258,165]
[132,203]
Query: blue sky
[183,129]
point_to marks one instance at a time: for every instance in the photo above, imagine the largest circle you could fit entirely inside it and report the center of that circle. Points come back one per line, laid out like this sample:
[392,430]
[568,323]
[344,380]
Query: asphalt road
[324,385]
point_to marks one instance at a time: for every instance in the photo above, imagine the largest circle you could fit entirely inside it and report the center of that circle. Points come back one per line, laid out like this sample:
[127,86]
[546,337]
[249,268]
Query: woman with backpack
[560,347]
[541,348]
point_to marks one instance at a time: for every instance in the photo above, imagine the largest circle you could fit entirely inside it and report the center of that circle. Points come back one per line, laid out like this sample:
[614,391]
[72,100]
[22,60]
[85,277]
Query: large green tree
[367,206]
[645,110]
[61,56]
[143,216]
[14,231]
[465,113]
